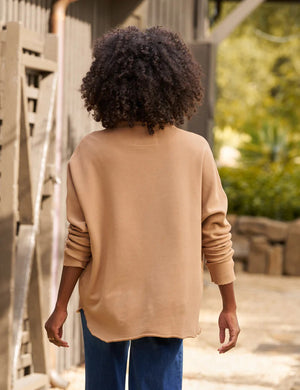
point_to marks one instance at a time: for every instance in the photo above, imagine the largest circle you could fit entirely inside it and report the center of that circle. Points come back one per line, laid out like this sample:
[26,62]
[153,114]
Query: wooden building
[41,120]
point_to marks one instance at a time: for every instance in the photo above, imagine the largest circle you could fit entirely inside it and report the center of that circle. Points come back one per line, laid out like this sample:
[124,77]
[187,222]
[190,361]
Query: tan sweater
[143,210]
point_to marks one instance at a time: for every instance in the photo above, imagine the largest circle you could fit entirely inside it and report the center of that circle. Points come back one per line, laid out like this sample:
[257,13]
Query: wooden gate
[27,101]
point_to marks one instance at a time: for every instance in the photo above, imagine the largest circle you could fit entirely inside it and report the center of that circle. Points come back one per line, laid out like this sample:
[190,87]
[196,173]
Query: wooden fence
[27,89]
[84,21]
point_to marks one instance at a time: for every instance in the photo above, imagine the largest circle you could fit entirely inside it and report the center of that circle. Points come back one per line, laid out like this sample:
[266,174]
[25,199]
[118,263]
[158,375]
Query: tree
[258,71]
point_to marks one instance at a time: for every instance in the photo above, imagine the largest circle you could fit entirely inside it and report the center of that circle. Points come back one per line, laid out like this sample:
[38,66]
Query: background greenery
[258,99]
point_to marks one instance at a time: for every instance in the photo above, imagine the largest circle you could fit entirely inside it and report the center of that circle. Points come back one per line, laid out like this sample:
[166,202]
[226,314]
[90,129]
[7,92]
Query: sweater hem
[152,334]
[146,334]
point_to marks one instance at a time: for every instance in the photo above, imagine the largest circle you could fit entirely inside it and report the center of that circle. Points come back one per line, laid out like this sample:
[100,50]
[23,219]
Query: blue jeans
[155,363]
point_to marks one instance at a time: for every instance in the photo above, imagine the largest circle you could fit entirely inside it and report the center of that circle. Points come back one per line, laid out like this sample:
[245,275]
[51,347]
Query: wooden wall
[33,14]
[174,14]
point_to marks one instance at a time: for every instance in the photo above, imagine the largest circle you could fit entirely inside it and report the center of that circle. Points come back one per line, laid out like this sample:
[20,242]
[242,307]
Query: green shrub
[272,190]
[269,144]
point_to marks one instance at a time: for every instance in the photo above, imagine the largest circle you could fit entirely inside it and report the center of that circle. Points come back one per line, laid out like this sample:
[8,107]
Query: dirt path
[268,353]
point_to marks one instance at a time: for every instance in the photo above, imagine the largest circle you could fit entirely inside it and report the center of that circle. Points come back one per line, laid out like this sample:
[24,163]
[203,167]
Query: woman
[144,204]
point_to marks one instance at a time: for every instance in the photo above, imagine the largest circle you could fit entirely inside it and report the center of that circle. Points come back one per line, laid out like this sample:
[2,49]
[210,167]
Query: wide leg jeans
[155,363]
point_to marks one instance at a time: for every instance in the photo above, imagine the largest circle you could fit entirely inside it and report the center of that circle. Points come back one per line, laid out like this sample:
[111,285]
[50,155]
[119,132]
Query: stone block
[275,260]
[292,250]
[273,230]
[258,255]
[240,244]
[239,266]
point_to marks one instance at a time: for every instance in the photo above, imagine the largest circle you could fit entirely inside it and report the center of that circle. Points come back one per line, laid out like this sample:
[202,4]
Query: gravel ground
[267,356]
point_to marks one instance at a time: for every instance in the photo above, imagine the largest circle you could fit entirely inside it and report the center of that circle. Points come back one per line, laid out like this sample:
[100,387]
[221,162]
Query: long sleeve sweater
[145,213]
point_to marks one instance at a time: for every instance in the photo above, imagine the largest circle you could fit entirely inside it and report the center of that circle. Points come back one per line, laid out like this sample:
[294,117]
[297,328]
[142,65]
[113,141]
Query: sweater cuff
[70,261]
[222,273]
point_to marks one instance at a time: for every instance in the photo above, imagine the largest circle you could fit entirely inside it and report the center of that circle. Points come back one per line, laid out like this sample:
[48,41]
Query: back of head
[145,76]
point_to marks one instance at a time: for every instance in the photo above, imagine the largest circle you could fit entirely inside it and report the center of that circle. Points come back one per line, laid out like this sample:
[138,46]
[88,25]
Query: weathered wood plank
[45,235]
[32,382]
[9,194]
[202,23]
[24,256]
[38,63]
[51,47]
[25,185]
[25,360]
[31,40]
[34,307]
[31,117]
[32,93]
[25,337]
[42,129]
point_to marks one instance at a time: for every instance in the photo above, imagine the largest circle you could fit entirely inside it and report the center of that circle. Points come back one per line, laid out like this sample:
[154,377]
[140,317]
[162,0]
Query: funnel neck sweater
[145,213]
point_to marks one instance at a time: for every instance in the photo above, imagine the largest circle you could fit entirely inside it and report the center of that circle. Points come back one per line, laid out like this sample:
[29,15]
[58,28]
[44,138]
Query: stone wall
[263,245]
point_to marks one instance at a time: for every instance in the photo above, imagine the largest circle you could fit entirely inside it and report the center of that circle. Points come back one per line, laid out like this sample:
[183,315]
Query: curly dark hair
[145,76]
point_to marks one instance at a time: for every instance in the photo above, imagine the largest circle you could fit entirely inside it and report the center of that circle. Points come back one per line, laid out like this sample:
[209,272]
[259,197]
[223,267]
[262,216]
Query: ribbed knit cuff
[222,273]
[70,261]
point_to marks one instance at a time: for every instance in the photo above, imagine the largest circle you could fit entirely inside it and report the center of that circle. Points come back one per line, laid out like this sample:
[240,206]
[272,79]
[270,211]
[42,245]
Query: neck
[125,124]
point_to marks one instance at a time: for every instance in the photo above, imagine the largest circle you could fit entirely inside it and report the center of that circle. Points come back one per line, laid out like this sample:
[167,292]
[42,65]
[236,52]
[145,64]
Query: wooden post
[240,12]
[21,193]
[25,182]
[201,19]
[27,243]
[203,120]
[34,308]
[9,195]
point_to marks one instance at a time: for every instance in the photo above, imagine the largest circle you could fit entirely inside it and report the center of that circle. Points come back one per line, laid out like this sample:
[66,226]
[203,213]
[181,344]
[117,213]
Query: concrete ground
[267,356]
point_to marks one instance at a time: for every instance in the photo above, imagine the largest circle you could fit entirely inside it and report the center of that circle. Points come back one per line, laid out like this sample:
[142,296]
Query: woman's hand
[54,325]
[228,320]
[55,322]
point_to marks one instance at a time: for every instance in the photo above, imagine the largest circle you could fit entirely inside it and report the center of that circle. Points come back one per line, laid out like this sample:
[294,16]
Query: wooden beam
[24,257]
[240,12]
[32,93]
[36,323]
[31,117]
[25,336]
[9,193]
[202,23]
[32,41]
[45,235]
[42,129]
[25,183]
[39,63]
[25,360]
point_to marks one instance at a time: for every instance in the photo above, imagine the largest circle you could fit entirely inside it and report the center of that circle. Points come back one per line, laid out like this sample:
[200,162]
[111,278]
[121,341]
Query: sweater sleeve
[216,236]
[77,251]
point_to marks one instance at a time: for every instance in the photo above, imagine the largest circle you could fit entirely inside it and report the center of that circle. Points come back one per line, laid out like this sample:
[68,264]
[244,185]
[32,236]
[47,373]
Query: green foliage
[258,71]
[272,191]
[258,97]
[269,144]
